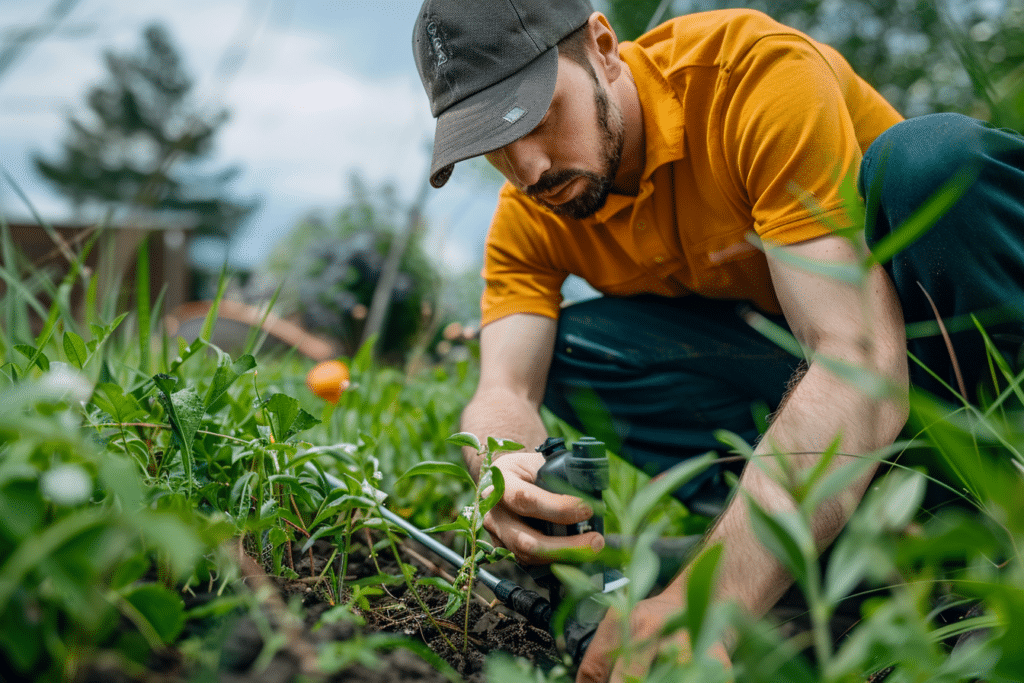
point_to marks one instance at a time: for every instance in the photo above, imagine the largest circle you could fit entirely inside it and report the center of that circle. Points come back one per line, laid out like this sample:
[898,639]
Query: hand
[524,499]
[600,663]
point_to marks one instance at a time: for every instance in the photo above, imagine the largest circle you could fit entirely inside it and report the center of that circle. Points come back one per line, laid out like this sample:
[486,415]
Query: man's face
[569,161]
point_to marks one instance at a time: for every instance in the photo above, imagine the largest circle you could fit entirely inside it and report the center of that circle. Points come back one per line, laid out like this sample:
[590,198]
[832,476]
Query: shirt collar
[663,126]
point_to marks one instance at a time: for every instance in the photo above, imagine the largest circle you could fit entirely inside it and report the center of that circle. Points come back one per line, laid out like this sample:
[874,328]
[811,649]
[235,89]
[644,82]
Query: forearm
[820,407]
[502,414]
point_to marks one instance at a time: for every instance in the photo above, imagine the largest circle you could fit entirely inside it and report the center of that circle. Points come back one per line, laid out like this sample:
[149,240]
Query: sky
[317,90]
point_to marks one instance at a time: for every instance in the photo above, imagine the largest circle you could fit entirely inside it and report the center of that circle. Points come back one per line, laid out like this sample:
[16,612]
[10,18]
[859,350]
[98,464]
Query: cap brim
[495,116]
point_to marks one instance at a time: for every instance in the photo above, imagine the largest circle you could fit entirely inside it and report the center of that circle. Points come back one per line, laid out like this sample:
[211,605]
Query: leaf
[466,440]
[283,410]
[498,490]
[164,610]
[186,351]
[644,563]
[122,408]
[226,376]
[454,603]
[432,467]
[772,331]
[660,487]
[699,590]
[100,334]
[440,584]
[302,422]
[75,349]
[502,445]
[737,444]
[848,563]
[577,581]
[33,551]
[785,536]
[34,355]
[836,481]
[871,384]
[904,492]
[177,541]
[188,415]
[128,571]
[121,479]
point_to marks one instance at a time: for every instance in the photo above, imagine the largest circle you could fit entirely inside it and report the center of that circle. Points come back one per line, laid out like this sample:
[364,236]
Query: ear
[604,46]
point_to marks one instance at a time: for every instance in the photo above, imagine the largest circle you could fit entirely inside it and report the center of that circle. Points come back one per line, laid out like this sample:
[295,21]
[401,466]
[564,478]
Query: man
[652,169]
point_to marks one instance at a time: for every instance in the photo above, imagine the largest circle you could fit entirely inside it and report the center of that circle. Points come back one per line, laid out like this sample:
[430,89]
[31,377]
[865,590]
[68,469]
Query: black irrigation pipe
[530,604]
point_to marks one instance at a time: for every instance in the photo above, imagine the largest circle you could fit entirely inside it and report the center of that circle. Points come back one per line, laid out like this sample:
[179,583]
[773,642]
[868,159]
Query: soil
[291,614]
[397,611]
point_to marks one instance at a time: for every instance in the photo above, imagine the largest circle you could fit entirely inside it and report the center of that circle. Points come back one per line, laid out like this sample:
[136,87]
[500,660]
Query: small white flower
[468,512]
[373,492]
[66,484]
[63,380]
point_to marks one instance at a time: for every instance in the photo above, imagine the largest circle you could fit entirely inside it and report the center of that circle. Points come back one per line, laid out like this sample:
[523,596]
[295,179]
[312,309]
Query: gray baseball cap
[489,68]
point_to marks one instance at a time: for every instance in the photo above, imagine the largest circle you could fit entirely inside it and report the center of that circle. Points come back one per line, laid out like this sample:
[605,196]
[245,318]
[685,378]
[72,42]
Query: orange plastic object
[328,379]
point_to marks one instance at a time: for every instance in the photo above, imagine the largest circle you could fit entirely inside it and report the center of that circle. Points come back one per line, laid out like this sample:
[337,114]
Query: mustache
[553,179]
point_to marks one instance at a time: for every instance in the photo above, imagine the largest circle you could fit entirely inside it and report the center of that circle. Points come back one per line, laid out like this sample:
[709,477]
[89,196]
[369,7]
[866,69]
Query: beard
[596,186]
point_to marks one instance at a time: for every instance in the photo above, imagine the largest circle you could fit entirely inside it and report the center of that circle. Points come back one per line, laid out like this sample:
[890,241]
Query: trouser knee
[915,159]
[970,258]
[656,377]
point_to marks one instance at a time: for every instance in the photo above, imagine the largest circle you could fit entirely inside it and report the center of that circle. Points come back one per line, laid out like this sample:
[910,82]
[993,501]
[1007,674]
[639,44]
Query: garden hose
[534,607]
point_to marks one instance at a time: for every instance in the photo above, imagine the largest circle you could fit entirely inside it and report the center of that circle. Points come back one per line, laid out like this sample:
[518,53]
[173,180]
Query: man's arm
[859,326]
[862,326]
[515,354]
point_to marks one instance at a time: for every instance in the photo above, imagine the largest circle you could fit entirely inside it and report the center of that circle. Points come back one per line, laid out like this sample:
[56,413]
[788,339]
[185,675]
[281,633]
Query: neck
[634,152]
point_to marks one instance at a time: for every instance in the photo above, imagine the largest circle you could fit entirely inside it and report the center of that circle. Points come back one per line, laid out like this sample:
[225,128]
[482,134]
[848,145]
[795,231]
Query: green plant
[486,494]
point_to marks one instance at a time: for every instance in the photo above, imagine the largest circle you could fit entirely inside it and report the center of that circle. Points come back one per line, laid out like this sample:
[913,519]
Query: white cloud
[303,114]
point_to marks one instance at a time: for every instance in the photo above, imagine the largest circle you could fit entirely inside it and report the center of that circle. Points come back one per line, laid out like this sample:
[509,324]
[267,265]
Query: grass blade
[142,304]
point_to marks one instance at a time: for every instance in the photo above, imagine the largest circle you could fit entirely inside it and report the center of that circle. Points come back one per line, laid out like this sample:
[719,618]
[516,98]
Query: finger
[530,500]
[596,665]
[633,665]
[530,546]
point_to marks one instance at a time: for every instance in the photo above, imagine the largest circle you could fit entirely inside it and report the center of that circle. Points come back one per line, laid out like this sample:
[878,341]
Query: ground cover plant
[175,512]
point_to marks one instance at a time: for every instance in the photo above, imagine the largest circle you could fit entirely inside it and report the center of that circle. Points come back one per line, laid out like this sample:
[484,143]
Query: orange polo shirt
[750,126]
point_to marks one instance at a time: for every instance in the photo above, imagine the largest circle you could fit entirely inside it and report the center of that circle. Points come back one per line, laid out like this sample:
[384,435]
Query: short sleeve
[789,139]
[518,274]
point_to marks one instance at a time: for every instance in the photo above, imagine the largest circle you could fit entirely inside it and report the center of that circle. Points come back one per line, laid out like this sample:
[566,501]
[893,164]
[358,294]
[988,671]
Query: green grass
[131,463]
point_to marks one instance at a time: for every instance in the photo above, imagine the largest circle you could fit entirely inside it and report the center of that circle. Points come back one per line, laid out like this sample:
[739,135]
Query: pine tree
[142,147]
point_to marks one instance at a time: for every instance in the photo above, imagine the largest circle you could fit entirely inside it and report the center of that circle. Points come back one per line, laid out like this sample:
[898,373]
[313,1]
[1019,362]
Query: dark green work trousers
[657,377]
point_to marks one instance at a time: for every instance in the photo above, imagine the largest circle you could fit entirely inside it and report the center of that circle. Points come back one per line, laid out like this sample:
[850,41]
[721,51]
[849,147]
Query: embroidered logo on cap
[435,38]
[514,114]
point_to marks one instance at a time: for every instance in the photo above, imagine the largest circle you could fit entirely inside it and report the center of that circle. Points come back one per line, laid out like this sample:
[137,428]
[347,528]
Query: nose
[525,161]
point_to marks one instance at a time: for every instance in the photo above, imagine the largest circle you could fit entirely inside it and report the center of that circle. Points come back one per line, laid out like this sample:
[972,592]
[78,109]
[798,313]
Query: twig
[298,514]
[949,342]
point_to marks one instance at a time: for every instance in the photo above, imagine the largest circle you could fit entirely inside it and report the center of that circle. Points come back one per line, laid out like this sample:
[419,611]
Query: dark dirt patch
[292,637]
[398,611]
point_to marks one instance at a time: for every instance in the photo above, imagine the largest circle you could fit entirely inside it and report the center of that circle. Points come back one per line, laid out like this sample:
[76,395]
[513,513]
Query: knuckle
[516,497]
[527,545]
